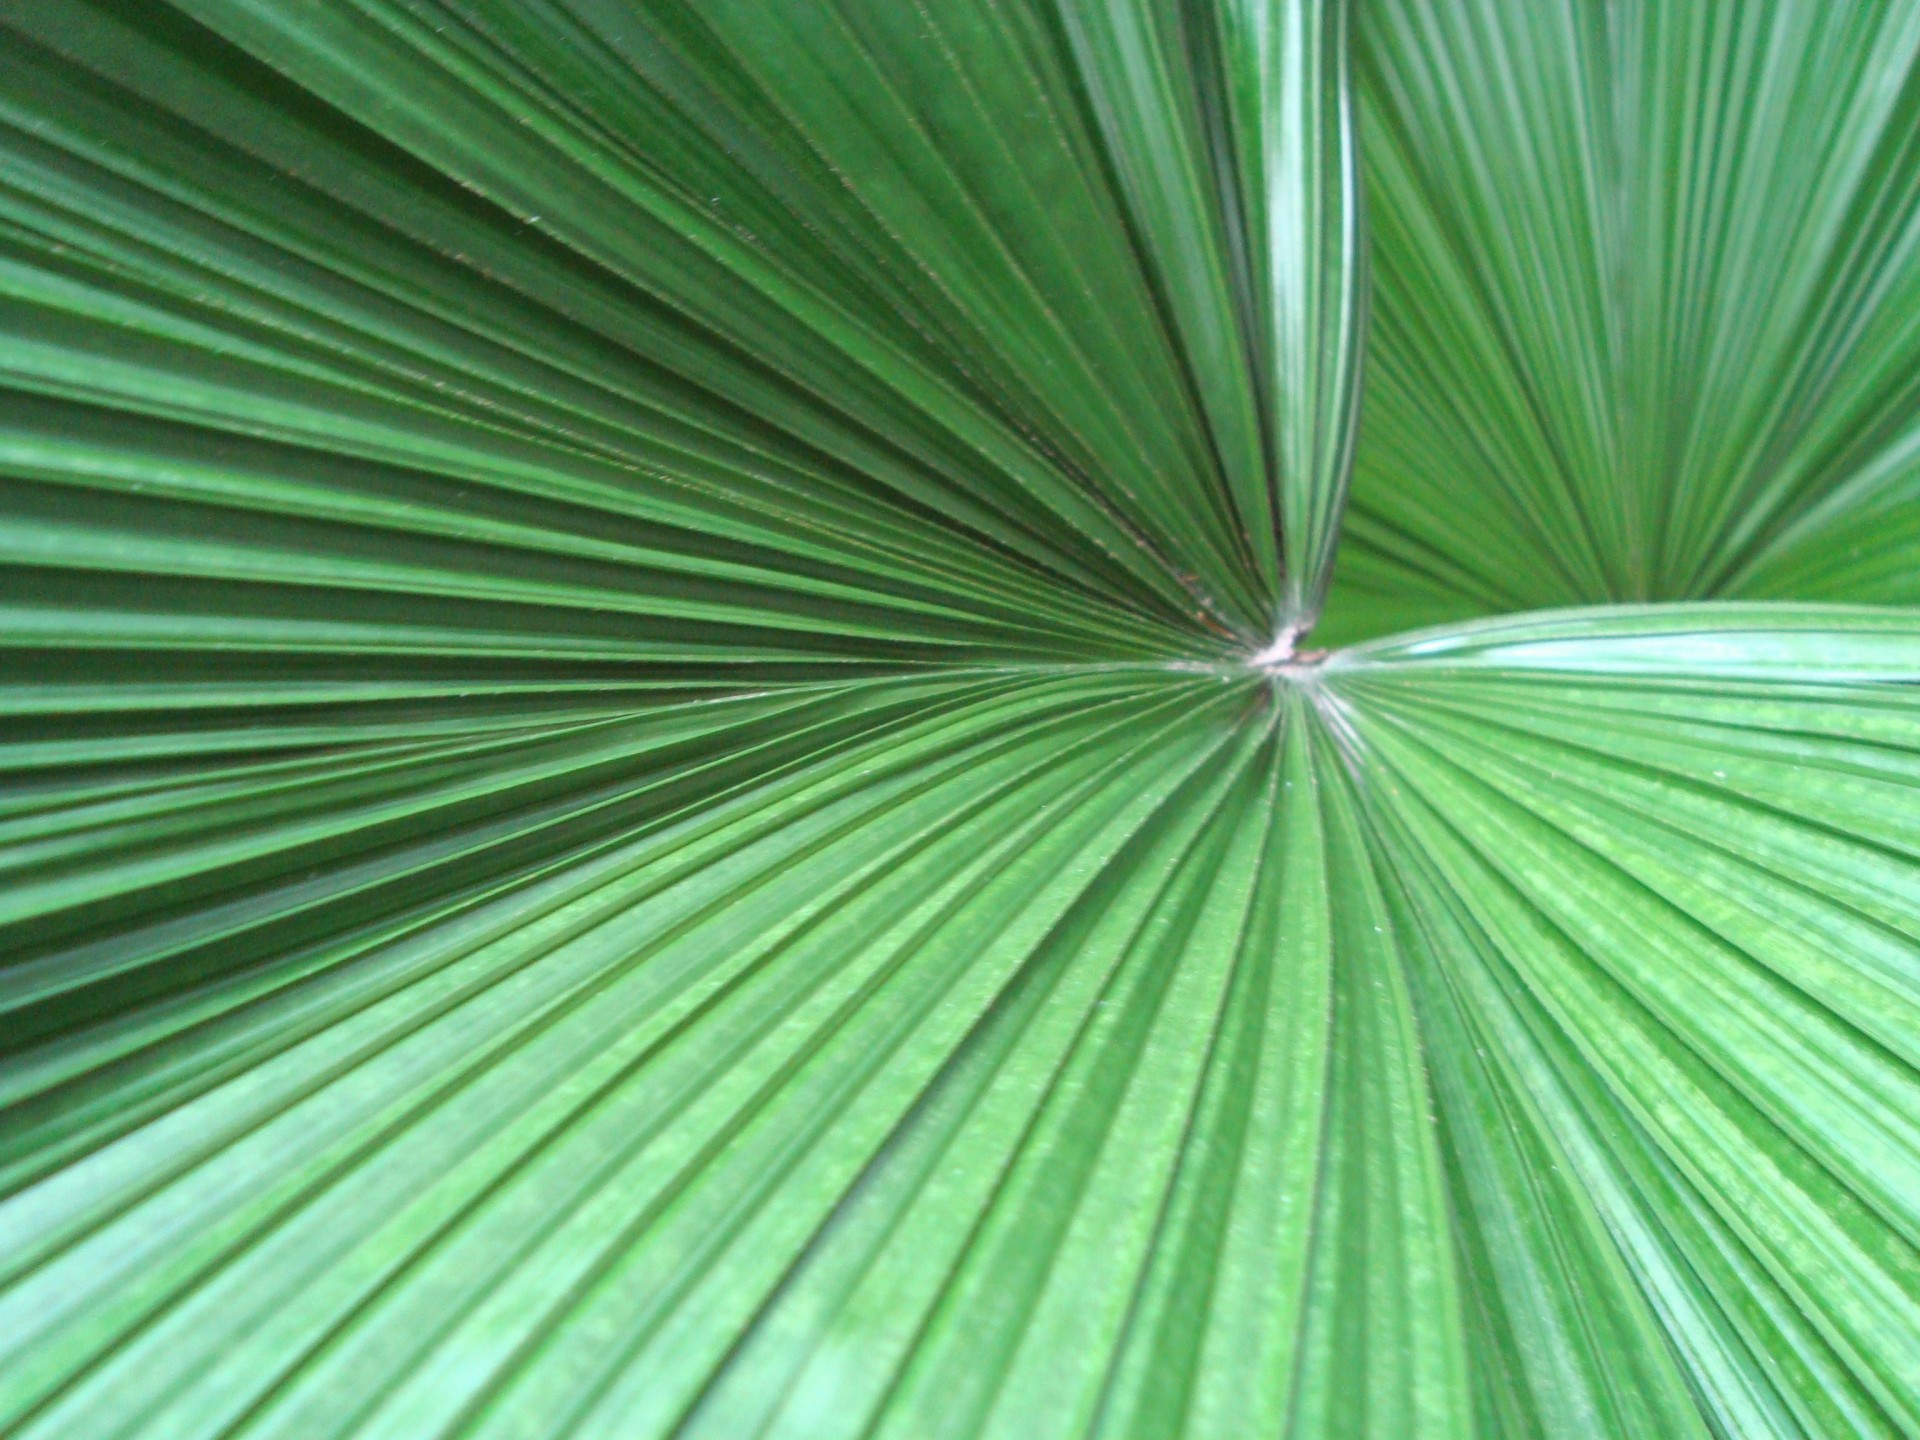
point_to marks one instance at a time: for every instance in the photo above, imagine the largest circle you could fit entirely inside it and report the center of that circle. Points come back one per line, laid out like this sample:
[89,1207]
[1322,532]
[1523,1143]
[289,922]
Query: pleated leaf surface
[1646,319]
[1504,1031]
[657,775]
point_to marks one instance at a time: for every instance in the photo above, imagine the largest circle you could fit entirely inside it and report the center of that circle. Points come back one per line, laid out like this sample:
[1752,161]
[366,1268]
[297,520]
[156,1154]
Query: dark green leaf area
[1646,312]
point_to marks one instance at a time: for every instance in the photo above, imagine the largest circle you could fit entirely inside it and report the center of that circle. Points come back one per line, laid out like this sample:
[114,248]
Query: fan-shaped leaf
[1644,321]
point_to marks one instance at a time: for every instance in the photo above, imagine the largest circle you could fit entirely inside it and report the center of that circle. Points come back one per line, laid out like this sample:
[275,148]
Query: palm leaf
[658,780]
[1644,326]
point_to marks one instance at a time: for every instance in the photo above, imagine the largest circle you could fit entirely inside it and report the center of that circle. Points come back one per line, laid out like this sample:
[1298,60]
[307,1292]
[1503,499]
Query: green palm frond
[660,775]
[1647,320]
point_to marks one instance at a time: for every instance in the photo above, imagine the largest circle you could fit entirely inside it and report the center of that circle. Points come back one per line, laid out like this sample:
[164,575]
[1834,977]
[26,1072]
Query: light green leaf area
[1646,319]
[658,775]
[1504,1031]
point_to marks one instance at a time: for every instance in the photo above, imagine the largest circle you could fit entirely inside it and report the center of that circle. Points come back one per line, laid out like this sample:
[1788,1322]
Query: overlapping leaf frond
[1645,325]
[754,331]
[656,780]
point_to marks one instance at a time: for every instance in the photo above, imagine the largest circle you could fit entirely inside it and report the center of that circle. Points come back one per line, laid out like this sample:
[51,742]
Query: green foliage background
[662,774]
